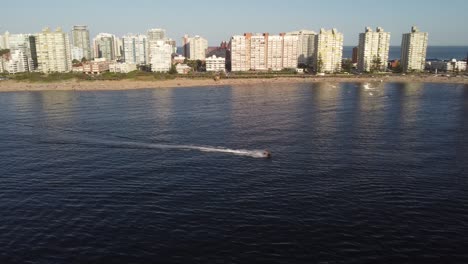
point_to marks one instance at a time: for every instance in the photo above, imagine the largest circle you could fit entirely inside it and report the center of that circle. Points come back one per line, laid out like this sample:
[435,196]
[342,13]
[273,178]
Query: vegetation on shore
[138,75]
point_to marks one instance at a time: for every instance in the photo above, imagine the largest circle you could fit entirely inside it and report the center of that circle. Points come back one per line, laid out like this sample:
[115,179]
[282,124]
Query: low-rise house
[122,67]
[215,64]
[183,68]
[447,66]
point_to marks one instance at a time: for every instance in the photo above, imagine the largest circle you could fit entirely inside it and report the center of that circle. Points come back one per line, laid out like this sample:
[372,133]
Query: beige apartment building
[373,50]
[53,51]
[413,50]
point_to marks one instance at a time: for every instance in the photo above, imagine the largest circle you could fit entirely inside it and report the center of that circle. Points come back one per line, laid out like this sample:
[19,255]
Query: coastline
[74,85]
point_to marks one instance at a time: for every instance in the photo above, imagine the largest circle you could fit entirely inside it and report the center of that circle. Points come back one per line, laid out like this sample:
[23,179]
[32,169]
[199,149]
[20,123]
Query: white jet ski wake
[261,154]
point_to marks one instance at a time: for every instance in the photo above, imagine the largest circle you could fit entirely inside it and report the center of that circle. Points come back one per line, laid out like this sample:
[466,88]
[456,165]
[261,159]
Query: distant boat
[267,154]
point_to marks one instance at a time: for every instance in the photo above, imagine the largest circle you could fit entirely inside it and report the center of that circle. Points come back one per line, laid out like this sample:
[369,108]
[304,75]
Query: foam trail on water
[238,152]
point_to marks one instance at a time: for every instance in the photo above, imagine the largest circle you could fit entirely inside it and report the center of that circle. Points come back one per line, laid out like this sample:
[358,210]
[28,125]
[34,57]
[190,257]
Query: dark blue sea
[433,52]
[374,173]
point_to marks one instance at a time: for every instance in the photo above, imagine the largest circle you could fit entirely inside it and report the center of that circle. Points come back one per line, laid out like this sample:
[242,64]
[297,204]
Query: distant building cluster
[54,51]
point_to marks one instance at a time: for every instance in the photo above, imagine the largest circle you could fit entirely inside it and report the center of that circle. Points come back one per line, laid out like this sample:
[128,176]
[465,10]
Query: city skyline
[215,21]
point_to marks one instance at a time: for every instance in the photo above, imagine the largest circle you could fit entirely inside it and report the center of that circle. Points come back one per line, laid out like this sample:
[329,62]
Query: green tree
[75,61]
[4,51]
[173,69]
[347,65]
[376,64]
[84,60]
[319,63]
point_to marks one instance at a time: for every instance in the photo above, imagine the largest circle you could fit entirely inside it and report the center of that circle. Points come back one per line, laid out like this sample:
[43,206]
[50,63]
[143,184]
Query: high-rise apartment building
[23,53]
[264,52]
[195,48]
[156,34]
[161,56]
[305,46]
[105,46]
[373,50]
[19,62]
[53,51]
[135,49]
[240,53]
[329,51]
[4,40]
[413,50]
[81,40]
[258,52]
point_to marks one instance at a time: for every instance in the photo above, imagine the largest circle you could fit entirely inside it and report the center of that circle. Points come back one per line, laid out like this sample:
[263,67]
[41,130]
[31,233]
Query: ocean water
[373,173]
[433,52]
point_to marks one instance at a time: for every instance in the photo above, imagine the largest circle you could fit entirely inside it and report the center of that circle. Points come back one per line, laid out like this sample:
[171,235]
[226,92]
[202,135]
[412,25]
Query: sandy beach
[10,85]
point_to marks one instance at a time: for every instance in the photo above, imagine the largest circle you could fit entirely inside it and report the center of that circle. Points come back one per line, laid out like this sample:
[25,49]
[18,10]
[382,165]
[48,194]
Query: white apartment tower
[161,56]
[275,53]
[156,34]
[413,50]
[22,49]
[195,48]
[329,51]
[4,40]
[373,50]
[53,51]
[258,52]
[135,49]
[305,46]
[81,40]
[240,53]
[264,52]
[290,51]
[19,62]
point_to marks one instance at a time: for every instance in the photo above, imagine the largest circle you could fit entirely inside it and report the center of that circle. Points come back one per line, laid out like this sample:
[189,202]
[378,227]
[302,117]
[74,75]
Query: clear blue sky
[446,21]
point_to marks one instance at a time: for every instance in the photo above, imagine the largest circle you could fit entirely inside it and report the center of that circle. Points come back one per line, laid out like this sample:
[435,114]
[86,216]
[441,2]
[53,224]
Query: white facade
[195,47]
[290,52]
[264,52]
[53,51]
[81,40]
[135,49]
[240,53]
[161,56]
[413,50]
[77,53]
[258,52]
[373,48]
[305,46]
[21,53]
[329,51]
[4,40]
[183,68]
[215,64]
[448,66]
[19,62]
[3,65]
[156,34]
[275,53]
[118,48]
[122,67]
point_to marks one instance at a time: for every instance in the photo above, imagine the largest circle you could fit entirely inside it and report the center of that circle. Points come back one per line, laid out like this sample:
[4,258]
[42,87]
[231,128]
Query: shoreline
[74,85]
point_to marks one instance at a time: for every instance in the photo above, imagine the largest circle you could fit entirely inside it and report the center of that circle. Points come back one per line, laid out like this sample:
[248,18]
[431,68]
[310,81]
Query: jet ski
[267,154]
